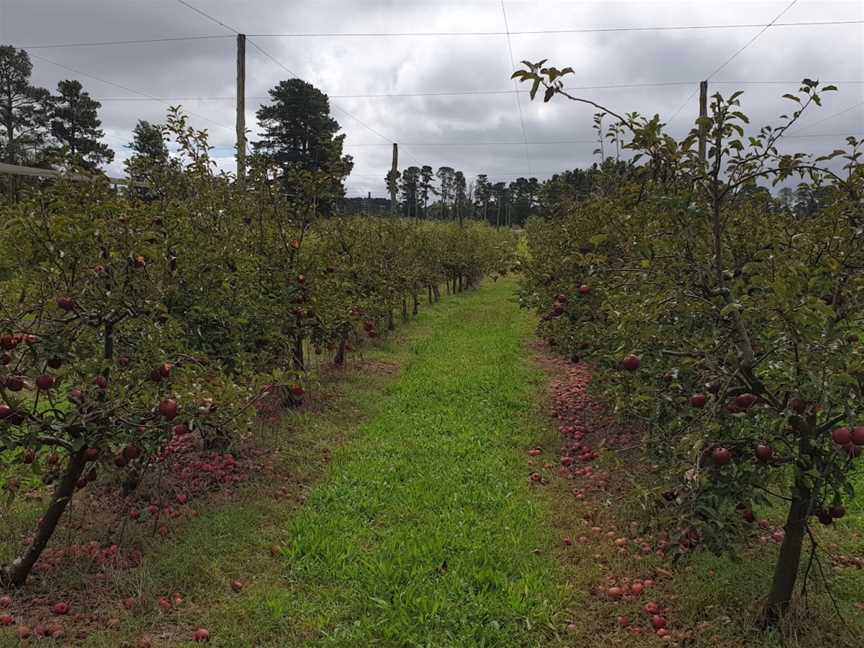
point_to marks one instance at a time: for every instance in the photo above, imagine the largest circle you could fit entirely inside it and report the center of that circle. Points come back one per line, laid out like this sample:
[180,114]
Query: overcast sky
[458,130]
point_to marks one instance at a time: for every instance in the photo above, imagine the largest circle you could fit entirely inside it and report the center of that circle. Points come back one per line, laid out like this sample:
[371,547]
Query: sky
[469,115]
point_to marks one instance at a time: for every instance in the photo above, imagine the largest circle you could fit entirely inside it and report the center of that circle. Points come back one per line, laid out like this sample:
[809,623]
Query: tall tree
[391,180]
[459,195]
[75,126]
[524,194]
[298,131]
[149,159]
[445,187]
[499,190]
[148,144]
[23,108]
[427,189]
[483,193]
[409,190]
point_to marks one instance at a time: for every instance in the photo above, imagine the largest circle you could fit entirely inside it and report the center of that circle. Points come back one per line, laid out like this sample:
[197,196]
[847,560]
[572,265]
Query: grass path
[424,534]
[419,526]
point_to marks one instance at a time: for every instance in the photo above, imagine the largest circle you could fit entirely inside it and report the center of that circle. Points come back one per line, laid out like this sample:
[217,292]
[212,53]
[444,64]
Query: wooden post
[241,107]
[703,112]
[394,169]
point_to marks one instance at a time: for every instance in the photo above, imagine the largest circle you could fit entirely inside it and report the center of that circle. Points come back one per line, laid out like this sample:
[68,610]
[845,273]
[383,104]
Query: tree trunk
[16,573]
[416,299]
[391,325]
[429,293]
[436,292]
[786,568]
[404,308]
[297,353]
[339,359]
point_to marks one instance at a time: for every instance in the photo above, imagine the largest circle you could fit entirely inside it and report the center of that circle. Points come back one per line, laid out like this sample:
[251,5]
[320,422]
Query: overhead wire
[734,56]
[531,32]
[515,87]
[282,65]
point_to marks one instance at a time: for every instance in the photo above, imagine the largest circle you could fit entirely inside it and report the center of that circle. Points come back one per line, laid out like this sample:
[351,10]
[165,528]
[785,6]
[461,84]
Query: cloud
[436,130]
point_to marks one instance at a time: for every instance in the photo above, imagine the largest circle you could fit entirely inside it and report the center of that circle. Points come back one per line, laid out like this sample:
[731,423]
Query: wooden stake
[241,107]
[394,169]
[703,112]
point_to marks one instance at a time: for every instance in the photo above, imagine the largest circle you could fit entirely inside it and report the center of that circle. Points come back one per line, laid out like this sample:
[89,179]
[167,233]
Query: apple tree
[726,323]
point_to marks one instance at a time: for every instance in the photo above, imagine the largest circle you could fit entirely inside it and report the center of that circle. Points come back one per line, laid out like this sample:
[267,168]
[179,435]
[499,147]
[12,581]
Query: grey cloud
[345,66]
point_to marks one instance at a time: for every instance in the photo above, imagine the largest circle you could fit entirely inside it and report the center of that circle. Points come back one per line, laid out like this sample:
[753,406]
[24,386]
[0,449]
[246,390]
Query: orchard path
[426,531]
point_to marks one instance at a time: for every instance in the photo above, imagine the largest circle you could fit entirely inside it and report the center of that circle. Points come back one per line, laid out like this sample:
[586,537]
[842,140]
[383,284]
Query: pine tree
[23,109]
[75,126]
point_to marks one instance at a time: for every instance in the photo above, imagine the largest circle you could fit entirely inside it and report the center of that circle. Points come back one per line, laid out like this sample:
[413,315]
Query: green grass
[424,534]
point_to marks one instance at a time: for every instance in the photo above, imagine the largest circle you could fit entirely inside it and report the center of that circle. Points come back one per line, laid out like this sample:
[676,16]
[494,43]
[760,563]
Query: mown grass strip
[425,534]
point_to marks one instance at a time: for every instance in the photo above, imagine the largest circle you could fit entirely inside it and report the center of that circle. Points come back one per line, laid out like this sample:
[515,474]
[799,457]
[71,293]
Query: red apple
[101,382]
[697,401]
[202,635]
[5,411]
[75,395]
[651,608]
[841,435]
[837,511]
[584,289]
[296,390]
[66,303]
[236,585]
[721,456]
[165,369]
[168,408]
[631,362]
[6,619]
[658,622]
[5,601]
[764,452]
[746,400]
[858,435]
[60,608]
[45,382]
